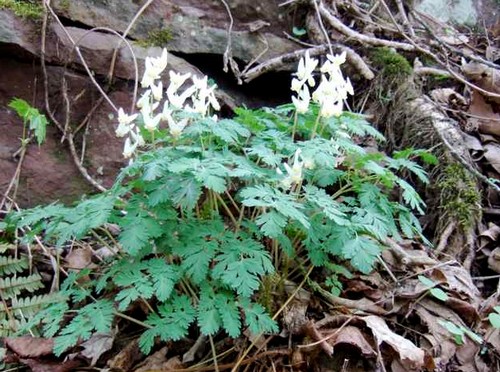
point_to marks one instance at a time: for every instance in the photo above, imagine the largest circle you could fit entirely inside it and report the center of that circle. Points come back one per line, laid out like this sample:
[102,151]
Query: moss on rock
[23,8]
[391,62]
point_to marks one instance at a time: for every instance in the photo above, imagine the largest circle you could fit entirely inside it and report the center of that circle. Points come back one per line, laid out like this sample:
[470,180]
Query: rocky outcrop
[48,172]
[193,26]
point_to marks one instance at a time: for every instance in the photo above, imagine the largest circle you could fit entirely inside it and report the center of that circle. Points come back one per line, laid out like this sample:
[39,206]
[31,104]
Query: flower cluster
[197,98]
[331,91]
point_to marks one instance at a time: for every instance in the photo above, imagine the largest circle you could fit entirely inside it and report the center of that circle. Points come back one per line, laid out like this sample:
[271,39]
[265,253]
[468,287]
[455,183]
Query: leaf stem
[287,302]
[295,121]
[315,128]
[226,208]
[133,320]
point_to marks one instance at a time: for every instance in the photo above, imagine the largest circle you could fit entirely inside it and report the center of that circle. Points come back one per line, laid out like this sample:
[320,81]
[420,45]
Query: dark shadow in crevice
[271,89]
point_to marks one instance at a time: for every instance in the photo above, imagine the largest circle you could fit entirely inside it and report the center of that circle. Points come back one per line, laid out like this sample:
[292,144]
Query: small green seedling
[30,115]
[297,31]
[436,292]
[459,331]
[494,317]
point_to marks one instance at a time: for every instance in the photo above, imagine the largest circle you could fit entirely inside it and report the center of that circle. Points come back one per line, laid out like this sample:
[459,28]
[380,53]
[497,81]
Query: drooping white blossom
[124,122]
[129,148]
[333,89]
[145,99]
[307,65]
[154,66]
[294,172]
[151,122]
[176,80]
[304,78]
[176,127]
[301,102]
[157,90]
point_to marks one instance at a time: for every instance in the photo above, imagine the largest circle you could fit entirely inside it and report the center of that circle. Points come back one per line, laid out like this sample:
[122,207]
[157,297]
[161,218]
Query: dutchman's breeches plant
[215,214]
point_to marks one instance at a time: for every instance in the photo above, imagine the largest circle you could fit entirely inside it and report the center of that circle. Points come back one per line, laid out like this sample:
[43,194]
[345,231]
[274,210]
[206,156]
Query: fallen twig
[339,26]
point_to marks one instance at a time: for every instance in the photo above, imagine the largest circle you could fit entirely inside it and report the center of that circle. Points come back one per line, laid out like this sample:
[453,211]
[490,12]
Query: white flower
[332,65]
[123,118]
[136,136]
[145,99]
[177,100]
[129,148]
[122,129]
[153,68]
[176,81]
[124,123]
[160,63]
[330,108]
[330,94]
[294,172]
[150,122]
[285,182]
[176,128]
[348,87]
[302,102]
[166,111]
[157,91]
[306,68]
[205,96]
[200,84]
[296,85]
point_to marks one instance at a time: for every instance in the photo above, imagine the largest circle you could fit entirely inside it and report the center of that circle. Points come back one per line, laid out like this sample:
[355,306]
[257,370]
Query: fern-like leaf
[12,265]
[11,287]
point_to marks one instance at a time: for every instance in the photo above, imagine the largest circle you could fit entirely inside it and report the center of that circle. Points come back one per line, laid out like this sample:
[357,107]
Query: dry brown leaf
[489,235]
[448,96]
[443,347]
[159,362]
[457,39]
[473,143]
[411,288]
[484,77]
[483,117]
[459,280]
[154,361]
[30,347]
[492,154]
[79,258]
[197,348]
[492,337]
[407,350]
[467,310]
[494,260]
[492,52]
[97,345]
[38,365]
[353,336]
[126,358]
[294,314]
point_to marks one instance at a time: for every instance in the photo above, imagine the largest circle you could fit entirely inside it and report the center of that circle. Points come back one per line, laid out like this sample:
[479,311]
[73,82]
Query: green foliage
[436,292]
[460,198]
[459,331]
[30,115]
[206,216]
[494,317]
[391,63]
[297,31]
[94,317]
[19,305]
[157,38]
[23,8]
